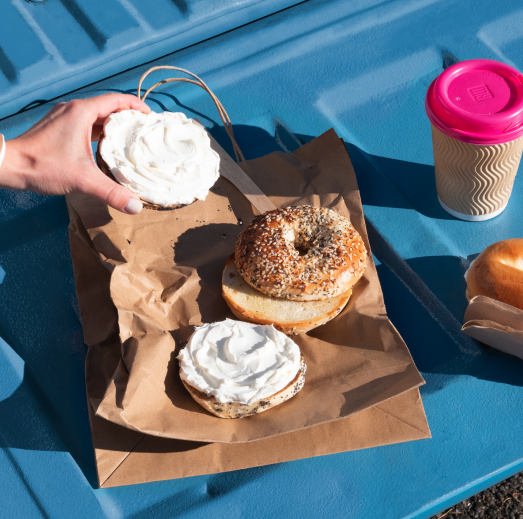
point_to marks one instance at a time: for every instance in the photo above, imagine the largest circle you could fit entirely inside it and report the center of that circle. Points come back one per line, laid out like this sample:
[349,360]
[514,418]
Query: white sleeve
[2,148]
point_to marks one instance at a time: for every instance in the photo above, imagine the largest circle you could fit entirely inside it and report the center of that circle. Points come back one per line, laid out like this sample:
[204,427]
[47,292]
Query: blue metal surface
[362,67]
[51,47]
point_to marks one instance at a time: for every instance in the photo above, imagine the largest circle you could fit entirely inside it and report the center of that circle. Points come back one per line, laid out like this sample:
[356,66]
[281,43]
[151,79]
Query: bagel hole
[302,251]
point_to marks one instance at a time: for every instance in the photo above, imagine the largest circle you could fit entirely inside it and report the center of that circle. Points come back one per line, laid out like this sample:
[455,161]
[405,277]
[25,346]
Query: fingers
[102,106]
[108,191]
[92,111]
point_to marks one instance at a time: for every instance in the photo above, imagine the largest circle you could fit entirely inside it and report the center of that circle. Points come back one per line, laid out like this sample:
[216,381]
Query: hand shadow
[386,182]
[208,246]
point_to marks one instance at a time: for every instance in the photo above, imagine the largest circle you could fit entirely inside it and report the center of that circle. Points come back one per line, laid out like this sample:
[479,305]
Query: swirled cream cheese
[241,362]
[165,158]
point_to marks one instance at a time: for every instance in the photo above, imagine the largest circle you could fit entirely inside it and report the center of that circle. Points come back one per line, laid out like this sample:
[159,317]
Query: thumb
[110,192]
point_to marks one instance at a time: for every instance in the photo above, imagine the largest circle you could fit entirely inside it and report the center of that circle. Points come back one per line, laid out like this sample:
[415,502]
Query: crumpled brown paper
[495,323]
[163,273]
[124,456]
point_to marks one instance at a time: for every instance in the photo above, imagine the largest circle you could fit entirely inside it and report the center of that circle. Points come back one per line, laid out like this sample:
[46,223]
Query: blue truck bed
[362,67]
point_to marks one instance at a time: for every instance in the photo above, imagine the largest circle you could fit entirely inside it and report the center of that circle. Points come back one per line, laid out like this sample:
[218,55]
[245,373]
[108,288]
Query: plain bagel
[498,273]
[303,253]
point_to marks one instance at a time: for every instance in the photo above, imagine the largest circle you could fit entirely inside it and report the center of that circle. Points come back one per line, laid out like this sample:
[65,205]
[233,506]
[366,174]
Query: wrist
[2,149]
[16,166]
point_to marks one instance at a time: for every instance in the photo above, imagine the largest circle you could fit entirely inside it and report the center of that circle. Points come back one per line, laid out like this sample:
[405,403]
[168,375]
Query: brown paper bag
[162,270]
[495,323]
[125,457]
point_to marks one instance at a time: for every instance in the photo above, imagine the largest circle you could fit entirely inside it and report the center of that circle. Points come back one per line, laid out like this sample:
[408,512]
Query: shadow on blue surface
[435,352]
[215,487]
[19,429]
[416,182]
[31,424]
[444,277]
[48,410]
[32,224]
[32,104]
[29,420]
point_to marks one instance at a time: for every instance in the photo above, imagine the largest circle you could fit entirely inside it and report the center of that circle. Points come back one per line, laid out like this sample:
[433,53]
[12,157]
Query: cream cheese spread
[165,158]
[241,362]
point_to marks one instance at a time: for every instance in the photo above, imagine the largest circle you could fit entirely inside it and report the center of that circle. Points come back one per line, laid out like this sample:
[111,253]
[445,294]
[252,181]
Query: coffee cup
[476,112]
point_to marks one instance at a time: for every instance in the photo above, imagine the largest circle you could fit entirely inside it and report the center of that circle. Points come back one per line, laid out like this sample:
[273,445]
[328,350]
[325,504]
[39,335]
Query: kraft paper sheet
[145,281]
[495,323]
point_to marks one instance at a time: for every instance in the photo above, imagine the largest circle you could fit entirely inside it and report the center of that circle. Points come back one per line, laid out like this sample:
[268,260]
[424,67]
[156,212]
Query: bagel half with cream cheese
[164,158]
[235,369]
[107,171]
[498,273]
[290,317]
[242,410]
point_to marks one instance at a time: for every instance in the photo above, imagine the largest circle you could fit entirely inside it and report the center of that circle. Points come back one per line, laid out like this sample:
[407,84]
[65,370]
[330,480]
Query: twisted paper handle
[199,82]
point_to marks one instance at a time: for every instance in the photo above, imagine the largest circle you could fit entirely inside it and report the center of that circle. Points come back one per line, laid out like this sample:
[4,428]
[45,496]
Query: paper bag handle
[199,82]
[231,171]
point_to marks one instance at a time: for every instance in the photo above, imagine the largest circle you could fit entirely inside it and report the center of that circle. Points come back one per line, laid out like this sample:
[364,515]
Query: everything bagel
[302,253]
[498,273]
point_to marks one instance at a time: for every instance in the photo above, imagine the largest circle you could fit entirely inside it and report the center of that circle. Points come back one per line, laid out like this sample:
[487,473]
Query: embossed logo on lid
[480,93]
[466,90]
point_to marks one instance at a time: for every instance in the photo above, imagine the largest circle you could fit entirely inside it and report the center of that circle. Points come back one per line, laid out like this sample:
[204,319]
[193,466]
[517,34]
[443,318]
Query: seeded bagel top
[303,253]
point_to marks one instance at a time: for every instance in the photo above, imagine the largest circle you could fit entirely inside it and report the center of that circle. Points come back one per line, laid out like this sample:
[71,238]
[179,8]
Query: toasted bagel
[301,253]
[498,273]
[290,317]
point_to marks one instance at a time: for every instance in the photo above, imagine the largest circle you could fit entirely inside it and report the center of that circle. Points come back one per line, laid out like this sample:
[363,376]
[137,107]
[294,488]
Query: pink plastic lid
[479,101]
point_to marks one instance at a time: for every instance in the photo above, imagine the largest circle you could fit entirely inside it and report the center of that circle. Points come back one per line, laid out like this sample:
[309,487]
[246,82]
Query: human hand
[54,157]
